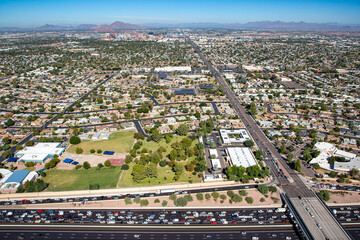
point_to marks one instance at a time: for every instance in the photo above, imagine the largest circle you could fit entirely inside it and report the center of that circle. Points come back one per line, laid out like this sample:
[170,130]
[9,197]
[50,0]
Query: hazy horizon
[22,13]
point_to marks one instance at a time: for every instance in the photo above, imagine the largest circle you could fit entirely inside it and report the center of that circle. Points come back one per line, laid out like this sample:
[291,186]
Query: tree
[249,200]
[125,167]
[6,154]
[297,165]
[92,150]
[107,163]
[29,143]
[151,170]
[173,197]
[264,189]
[156,135]
[139,172]
[9,123]
[164,203]
[182,130]
[354,172]
[99,151]
[249,143]
[272,189]
[86,165]
[75,140]
[324,195]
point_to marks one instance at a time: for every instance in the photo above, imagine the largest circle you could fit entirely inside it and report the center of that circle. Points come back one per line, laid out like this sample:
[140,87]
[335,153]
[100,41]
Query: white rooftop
[241,157]
[228,136]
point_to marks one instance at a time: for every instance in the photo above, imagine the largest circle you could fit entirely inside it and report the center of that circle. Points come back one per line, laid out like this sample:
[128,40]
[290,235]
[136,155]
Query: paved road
[138,234]
[292,184]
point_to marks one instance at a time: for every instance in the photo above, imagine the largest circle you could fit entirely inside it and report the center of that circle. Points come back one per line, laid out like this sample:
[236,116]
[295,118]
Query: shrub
[144,202]
[128,201]
[189,198]
[207,196]
[163,163]
[262,199]
[243,193]
[137,200]
[29,164]
[275,200]
[75,140]
[215,195]
[223,197]
[79,150]
[125,167]
[200,196]
[92,150]
[78,166]
[99,151]
[164,203]
[249,200]
[182,202]
[157,200]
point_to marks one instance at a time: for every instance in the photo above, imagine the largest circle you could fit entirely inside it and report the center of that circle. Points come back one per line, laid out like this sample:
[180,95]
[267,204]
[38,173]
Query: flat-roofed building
[40,152]
[241,157]
[234,136]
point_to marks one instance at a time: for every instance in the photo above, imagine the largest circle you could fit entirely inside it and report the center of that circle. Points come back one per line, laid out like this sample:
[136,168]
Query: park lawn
[119,142]
[165,176]
[153,146]
[62,180]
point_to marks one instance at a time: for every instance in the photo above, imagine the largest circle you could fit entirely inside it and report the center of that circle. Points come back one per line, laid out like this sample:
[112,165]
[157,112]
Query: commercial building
[15,179]
[241,157]
[173,69]
[234,136]
[328,150]
[40,152]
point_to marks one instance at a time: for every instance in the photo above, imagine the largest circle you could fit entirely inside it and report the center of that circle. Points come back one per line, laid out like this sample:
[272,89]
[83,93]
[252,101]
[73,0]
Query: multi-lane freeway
[323,224]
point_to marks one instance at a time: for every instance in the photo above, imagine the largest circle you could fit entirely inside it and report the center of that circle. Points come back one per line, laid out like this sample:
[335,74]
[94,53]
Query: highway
[292,185]
[137,234]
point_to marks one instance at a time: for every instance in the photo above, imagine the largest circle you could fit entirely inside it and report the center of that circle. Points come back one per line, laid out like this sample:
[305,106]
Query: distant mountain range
[83,27]
[262,25]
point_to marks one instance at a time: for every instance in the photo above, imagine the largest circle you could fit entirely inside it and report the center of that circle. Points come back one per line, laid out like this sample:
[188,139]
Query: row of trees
[240,173]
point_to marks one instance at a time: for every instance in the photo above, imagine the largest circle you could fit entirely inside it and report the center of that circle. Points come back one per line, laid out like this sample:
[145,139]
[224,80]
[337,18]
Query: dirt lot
[344,197]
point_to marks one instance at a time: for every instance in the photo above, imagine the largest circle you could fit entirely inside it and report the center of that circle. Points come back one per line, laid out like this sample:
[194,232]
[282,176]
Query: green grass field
[120,142]
[62,180]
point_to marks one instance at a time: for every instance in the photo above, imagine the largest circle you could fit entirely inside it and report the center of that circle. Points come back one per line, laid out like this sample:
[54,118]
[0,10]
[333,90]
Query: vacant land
[165,176]
[60,180]
[119,142]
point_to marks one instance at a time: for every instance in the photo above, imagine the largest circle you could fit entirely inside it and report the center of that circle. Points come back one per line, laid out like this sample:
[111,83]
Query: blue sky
[39,12]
